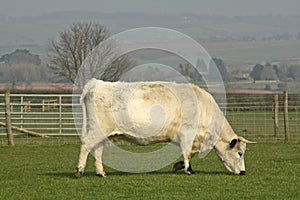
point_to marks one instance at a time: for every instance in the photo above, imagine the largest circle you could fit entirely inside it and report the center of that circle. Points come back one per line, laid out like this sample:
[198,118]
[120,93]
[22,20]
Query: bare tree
[75,45]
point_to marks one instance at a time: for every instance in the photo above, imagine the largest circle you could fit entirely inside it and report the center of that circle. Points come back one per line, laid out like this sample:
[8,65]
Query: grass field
[46,172]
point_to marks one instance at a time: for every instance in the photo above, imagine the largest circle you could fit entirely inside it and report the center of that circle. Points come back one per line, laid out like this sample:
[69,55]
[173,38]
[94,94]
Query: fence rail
[250,115]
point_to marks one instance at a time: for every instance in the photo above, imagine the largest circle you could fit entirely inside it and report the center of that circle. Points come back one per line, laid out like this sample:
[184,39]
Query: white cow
[152,112]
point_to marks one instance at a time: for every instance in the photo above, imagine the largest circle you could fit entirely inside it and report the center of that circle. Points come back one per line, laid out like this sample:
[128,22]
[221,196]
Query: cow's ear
[233,143]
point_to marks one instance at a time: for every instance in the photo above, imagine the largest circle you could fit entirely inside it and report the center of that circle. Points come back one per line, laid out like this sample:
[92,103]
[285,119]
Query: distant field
[46,172]
[241,52]
[256,51]
[292,87]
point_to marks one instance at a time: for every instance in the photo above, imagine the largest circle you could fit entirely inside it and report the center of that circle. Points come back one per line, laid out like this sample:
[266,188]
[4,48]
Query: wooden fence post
[8,119]
[286,115]
[276,115]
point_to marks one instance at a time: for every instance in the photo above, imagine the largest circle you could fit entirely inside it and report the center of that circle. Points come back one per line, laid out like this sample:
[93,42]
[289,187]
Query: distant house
[20,56]
[241,75]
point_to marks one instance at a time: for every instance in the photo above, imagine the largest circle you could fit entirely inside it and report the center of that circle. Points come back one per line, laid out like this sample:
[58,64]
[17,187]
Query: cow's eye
[240,154]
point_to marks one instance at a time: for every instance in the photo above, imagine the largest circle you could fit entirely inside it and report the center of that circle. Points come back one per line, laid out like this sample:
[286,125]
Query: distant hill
[36,32]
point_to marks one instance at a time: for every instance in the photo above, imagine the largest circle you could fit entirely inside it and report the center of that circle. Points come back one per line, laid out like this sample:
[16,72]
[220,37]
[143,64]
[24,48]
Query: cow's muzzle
[243,173]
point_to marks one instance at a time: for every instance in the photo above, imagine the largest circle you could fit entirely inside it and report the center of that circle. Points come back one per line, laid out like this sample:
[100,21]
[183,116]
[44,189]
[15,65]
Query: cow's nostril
[243,173]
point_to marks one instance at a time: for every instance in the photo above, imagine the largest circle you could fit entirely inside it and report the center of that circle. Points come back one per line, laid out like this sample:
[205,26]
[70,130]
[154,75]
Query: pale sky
[214,7]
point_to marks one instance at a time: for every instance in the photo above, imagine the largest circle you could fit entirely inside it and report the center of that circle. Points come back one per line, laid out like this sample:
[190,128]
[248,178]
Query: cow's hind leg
[82,161]
[178,166]
[98,163]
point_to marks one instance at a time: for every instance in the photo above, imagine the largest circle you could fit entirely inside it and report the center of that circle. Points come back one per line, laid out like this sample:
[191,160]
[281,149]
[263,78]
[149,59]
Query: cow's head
[232,154]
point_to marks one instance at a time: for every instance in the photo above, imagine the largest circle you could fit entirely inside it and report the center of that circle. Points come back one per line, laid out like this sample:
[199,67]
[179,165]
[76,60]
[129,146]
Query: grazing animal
[151,112]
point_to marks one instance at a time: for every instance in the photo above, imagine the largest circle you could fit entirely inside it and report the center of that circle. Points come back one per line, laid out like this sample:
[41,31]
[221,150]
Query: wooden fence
[49,104]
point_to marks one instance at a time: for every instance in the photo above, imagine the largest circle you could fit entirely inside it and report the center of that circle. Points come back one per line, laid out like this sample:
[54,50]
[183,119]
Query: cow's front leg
[187,165]
[98,163]
[82,161]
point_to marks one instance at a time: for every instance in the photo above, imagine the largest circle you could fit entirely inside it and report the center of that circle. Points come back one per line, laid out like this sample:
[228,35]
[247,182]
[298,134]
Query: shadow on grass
[119,173]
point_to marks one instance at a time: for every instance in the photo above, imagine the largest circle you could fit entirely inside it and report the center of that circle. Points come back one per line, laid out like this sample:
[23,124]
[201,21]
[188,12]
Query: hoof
[101,176]
[178,166]
[190,171]
[78,174]
[243,173]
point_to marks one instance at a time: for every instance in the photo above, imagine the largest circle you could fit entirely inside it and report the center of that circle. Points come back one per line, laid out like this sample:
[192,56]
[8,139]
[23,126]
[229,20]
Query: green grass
[46,172]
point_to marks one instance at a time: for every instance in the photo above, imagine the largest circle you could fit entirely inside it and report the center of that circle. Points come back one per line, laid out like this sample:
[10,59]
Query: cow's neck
[227,133]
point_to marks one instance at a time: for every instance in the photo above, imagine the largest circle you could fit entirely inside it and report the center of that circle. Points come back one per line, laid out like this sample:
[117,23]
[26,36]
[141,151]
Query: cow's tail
[88,87]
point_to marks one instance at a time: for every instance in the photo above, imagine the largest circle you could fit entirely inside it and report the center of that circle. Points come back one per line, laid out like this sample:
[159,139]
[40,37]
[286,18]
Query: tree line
[275,72]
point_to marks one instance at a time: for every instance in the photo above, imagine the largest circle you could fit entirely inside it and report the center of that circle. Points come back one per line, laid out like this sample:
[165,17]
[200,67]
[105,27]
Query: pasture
[47,172]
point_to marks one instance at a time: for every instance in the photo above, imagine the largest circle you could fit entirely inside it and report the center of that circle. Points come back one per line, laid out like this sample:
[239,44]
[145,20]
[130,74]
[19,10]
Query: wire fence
[251,116]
